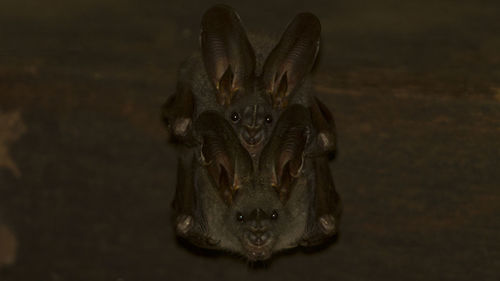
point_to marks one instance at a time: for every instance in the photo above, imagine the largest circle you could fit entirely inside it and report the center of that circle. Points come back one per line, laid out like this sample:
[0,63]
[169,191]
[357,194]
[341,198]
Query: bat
[230,77]
[289,200]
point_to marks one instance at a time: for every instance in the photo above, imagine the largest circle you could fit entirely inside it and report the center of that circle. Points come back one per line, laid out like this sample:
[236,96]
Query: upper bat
[248,86]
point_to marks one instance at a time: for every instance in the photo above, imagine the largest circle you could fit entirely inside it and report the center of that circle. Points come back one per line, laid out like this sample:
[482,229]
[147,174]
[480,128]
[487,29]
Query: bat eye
[235,117]
[240,217]
[269,118]
[274,215]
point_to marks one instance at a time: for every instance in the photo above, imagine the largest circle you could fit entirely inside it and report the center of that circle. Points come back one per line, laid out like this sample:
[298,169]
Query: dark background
[86,177]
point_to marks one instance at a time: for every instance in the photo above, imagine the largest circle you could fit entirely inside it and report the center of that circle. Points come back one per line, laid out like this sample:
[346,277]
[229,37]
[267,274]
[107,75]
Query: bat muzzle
[258,245]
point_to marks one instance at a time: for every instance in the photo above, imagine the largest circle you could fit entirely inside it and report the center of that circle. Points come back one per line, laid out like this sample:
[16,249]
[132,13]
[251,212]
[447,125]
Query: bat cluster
[253,175]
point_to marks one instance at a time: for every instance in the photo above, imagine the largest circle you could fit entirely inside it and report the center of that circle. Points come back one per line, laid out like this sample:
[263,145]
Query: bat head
[258,224]
[252,118]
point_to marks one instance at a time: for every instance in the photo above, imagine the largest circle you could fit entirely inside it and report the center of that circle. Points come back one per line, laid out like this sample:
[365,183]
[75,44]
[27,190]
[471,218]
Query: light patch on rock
[8,246]
[11,129]
[496,92]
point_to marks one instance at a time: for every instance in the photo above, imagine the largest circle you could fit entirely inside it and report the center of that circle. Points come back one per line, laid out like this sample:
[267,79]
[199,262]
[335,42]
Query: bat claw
[181,126]
[326,141]
[327,223]
[184,224]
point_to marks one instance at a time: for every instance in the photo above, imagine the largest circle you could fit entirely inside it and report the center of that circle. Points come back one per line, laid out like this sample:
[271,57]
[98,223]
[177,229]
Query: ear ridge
[291,159]
[283,157]
[293,56]
[225,89]
[225,46]
[227,162]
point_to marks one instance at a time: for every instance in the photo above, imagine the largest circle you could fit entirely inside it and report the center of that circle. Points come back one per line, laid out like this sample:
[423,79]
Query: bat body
[253,175]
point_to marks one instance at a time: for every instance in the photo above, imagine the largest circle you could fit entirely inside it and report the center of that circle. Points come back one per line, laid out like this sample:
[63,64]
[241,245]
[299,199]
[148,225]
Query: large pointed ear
[227,54]
[228,164]
[283,157]
[292,59]
[289,161]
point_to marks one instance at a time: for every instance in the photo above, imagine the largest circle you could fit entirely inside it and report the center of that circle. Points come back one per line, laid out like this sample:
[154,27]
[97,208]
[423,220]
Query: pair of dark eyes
[241,218]
[235,117]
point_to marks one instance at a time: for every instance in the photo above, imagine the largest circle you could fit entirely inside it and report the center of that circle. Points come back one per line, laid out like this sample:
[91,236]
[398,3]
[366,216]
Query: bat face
[258,224]
[252,118]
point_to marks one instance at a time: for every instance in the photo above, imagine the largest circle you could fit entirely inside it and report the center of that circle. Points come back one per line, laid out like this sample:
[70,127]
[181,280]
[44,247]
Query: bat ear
[292,59]
[227,54]
[226,161]
[325,126]
[177,113]
[289,161]
[220,166]
[284,154]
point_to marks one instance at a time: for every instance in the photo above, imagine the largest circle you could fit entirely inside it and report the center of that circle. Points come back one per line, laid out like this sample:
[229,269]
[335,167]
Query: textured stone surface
[8,246]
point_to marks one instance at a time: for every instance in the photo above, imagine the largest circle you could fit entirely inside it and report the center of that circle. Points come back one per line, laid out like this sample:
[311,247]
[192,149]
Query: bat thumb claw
[184,224]
[327,223]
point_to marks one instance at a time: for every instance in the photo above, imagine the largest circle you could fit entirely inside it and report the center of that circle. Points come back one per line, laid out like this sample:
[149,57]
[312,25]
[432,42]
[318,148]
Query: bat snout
[258,245]
[258,238]
[252,135]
